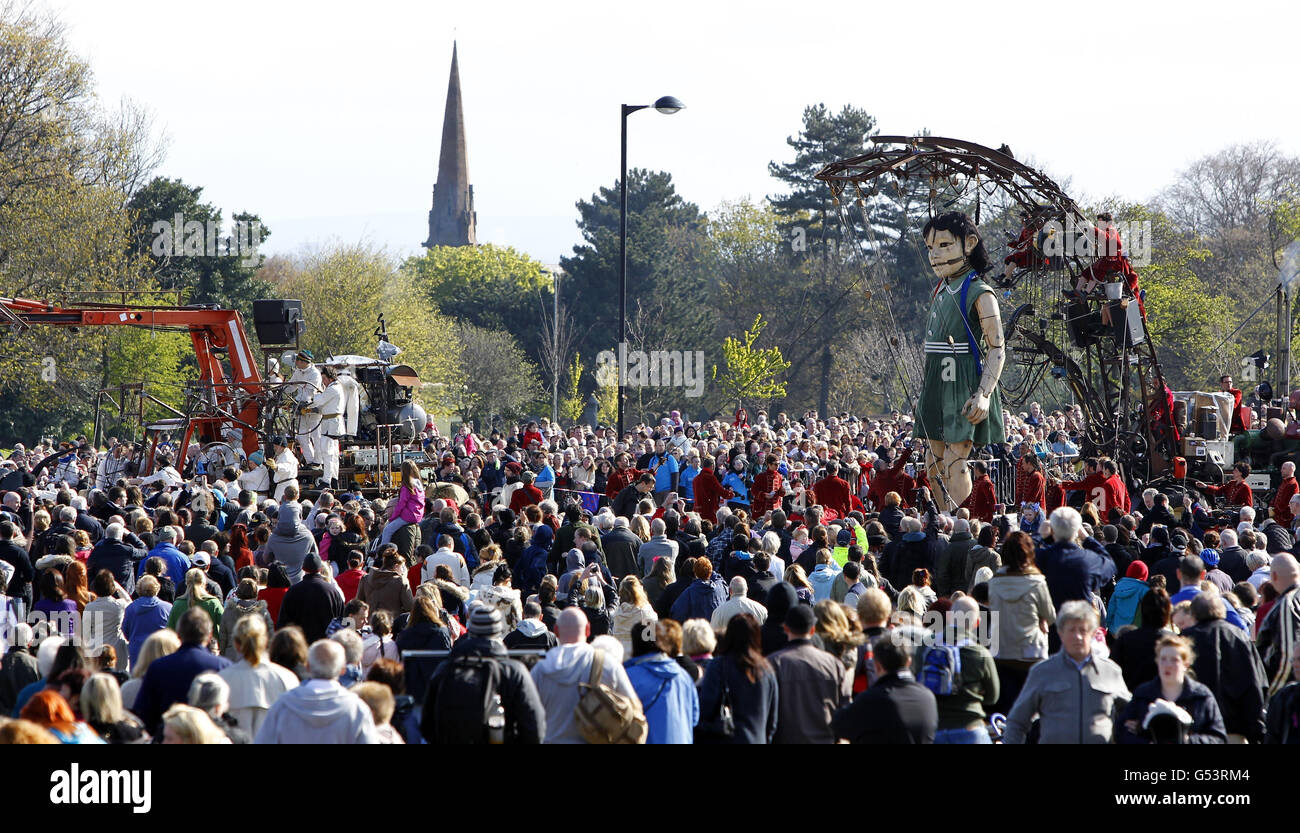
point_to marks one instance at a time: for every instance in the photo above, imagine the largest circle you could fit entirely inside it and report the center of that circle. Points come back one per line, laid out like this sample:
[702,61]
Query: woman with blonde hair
[186,724]
[197,595]
[836,632]
[101,706]
[797,578]
[633,607]
[255,682]
[159,644]
[640,528]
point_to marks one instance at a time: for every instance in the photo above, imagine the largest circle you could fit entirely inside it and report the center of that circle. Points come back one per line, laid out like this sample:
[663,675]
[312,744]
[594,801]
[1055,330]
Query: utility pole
[555,348]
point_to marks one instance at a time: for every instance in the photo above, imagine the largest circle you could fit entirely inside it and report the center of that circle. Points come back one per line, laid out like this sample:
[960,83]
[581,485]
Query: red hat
[1136,570]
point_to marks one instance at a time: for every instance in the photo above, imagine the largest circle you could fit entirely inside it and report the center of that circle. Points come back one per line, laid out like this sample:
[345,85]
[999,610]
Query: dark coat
[424,636]
[753,704]
[17,671]
[1196,699]
[167,682]
[1074,572]
[699,600]
[118,557]
[20,586]
[1232,560]
[621,547]
[895,709]
[525,717]
[1229,665]
[1135,653]
[669,597]
[311,604]
[780,599]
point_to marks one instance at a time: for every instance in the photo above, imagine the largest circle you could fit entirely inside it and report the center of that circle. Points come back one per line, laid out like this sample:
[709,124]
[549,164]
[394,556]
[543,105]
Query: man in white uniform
[330,406]
[256,477]
[307,383]
[286,467]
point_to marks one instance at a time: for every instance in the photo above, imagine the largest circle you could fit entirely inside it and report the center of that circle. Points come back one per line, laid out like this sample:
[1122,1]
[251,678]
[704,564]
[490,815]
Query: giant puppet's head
[954,245]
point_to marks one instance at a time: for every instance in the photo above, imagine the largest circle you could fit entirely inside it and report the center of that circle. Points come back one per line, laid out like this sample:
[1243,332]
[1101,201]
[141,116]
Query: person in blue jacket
[1126,600]
[667,693]
[703,596]
[738,480]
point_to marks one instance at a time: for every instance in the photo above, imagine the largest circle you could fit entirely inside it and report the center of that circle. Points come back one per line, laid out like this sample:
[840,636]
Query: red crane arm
[212,332]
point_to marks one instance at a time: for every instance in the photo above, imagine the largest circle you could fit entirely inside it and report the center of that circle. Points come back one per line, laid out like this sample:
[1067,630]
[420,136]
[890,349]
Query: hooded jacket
[821,578]
[1021,602]
[525,717]
[318,711]
[1125,603]
[386,590]
[557,678]
[950,567]
[668,697]
[237,610]
[532,564]
[290,542]
[530,633]
[700,599]
[780,599]
[504,599]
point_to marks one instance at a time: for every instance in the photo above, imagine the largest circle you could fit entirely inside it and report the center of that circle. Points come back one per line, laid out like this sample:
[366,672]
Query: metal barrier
[1003,475]
[528,656]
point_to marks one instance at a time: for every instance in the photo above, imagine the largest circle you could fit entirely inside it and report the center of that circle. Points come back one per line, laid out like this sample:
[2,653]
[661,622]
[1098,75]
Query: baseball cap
[201,559]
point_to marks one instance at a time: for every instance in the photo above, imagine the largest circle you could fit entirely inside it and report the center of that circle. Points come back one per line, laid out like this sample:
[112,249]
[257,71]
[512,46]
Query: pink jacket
[409,506]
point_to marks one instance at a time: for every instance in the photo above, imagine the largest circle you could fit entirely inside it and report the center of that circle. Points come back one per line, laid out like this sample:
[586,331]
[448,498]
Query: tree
[752,374]
[493,287]
[825,138]
[571,400]
[209,263]
[500,381]
[345,287]
[665,235]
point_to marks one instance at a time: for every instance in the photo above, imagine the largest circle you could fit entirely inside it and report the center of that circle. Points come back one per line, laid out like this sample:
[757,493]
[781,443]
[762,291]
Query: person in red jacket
[1236,492]
[768,489]
[1031,484]
[531,435]
[1285,491]
[525,495]
[623,475]
[833,492]
[709,493]
[1055,495]
[350,579]
[742,419]
[893,479]
[1093,485]
[1225,385]
[1117,497]
[982,497]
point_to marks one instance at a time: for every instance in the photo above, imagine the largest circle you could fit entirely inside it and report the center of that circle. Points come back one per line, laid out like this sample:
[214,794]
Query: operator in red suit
[833,492]
[982,496]
[768,489]
[1285,491]
[1236,492]
[709,493]
[893,479]
[1225,385]
[623,475]
[1111,260]
[1101,487]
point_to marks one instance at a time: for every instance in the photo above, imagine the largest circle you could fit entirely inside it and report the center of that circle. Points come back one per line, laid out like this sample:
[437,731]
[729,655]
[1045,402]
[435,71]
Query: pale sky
[325,117]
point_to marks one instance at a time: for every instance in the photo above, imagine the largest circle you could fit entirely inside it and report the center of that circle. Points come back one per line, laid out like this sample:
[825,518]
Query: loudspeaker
[277,321]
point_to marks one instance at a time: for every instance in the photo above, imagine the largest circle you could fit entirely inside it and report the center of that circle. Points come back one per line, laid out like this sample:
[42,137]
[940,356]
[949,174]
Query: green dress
[950,375]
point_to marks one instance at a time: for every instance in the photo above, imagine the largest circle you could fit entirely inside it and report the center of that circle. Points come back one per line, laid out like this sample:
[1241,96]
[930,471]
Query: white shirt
[286,472]
[309,383]
[459,572]
[330,401]
[257,481]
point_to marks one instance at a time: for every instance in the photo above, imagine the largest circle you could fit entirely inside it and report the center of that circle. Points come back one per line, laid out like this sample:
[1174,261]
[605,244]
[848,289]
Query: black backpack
[465,696]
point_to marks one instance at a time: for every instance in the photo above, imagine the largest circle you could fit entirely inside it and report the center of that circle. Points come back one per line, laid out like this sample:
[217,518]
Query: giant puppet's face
[947,258]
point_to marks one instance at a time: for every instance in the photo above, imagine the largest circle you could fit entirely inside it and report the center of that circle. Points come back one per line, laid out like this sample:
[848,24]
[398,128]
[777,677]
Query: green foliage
[344,289]
[665,283]
[752,374]
[228,280]
[571,399]
[501,381]
[493,287]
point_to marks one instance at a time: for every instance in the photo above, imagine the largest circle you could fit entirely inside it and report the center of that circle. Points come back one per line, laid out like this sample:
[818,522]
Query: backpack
[941,668]
[605,716]
[467,690]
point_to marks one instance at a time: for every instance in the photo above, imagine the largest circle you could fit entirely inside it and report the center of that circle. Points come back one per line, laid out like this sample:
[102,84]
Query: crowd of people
[738,581]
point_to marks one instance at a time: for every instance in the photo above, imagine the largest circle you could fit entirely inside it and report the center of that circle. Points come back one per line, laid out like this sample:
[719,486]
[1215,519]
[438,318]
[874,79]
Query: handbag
[722,727]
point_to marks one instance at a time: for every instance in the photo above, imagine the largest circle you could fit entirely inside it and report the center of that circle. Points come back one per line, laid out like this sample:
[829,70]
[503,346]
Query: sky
[324,118]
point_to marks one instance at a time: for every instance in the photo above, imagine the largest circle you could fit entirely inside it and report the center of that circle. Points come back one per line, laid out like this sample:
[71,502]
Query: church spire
[452,220]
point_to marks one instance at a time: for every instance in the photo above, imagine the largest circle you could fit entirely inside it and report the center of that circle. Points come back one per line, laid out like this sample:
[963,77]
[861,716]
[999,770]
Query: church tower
[452,219]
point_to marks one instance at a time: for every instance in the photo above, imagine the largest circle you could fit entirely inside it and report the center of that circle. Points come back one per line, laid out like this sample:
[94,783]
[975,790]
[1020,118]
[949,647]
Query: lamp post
[666,105]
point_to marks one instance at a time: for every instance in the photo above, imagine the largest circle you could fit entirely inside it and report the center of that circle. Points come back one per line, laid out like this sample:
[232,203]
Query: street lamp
[666,105]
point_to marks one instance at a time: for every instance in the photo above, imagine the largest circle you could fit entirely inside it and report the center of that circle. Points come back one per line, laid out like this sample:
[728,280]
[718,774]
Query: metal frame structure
[1114,376]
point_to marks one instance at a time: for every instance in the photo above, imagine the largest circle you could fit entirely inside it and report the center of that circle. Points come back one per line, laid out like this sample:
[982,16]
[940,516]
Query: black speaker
[277,321]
